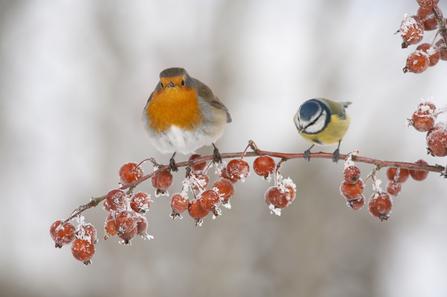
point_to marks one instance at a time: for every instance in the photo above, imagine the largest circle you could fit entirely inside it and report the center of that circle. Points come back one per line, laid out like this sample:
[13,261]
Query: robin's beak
[171,85]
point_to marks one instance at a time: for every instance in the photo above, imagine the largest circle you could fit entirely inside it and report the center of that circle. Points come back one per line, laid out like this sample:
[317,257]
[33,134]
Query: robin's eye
[183,82]
[161,85]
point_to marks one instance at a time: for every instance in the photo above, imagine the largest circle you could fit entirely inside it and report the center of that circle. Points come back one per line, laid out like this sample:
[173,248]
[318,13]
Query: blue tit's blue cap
[309,109]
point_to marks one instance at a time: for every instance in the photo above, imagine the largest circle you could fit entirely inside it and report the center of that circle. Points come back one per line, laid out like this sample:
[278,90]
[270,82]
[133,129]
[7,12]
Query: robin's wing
[207,95]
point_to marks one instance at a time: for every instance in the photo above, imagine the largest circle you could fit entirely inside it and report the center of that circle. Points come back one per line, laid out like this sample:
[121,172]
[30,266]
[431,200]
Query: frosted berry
[224,174]
[140,202]
[419,175]
[83,250]
[380,206]
[142,228]
[352,191]
[417,62]
[126,223]
[432,52]
[179,204]
[116,200]
[351,174]
[357,203]
[277,197]
[264,165]
[199,182]
[437,140]
[64,235]
[162,181]
[196,212]
[110,228]
[428,18]
[411,30]
[427,3]
[238,169]
[87,232]
[393,188]
[130,172]
[424,117]
[224,188]
[199,167]
[402,174]
[209,200]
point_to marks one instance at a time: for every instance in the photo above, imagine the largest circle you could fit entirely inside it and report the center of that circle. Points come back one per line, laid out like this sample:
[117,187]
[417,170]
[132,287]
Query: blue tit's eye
[183,82]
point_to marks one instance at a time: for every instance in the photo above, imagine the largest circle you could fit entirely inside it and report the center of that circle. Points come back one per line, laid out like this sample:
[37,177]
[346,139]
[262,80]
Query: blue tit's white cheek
[297,121]
[318,125]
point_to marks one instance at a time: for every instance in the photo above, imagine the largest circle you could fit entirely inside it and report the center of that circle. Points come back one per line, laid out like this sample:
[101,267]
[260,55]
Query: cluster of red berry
[424,120]
[380,203]
[428,17]
[126,219]
[83,238]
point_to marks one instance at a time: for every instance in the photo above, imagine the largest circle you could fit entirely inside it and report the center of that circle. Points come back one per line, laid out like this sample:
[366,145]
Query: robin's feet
[217,158]
[172,165]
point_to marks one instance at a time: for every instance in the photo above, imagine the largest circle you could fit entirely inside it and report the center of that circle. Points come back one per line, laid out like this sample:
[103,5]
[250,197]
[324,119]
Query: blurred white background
[74,78]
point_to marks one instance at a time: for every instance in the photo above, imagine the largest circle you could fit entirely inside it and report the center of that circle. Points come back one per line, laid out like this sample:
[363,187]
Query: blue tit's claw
[336,155]
[307,155]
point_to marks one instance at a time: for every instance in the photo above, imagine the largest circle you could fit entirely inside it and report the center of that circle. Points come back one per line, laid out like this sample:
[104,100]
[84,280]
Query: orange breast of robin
[178,106]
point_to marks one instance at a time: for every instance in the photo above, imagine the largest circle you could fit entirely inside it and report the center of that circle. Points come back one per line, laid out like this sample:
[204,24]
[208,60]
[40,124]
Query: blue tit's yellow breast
[332,133]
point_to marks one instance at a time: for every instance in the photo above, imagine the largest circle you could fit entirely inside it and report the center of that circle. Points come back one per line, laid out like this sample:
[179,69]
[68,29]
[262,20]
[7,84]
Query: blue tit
[322,122]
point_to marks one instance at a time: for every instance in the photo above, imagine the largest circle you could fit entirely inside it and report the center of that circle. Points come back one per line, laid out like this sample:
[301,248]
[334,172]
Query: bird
[322,122]
[182,114]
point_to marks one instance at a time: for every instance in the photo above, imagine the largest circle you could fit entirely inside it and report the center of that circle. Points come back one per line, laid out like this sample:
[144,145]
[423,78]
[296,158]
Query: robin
[182,114]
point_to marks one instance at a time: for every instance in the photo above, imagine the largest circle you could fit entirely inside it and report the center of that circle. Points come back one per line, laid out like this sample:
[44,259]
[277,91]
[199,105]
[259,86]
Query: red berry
[427,3]
[83,250]
[224,188]
[424,117]
[179,204]
[380,205]
[393,188]
[87,232]
[209,200]
[142,228]
[224,174]
[126,223]
[162,181]
[199,182]
[238,169]
[357,203]
[196,212]
[428,18]
[352,191]
[402,173]
[199,167]
[264,165]
[437,140]
[442,49]
[432,52]
[110,228]
[130,172]
[419,175]
[417,62]
[64,235]
[140,202]
[411,30]
[351,174]
[116,200]
[277,198]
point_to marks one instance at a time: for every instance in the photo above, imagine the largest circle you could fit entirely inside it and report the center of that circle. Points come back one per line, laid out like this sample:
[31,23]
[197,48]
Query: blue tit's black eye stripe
[313,107]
